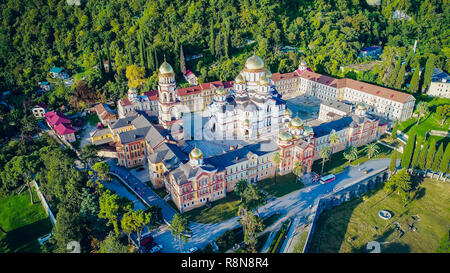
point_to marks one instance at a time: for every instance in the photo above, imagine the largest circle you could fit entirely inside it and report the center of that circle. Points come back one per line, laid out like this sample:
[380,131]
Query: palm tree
[298,169]
[276,159]
[351,153]
[421,109]
[324,153]
[371,149]
[334,139]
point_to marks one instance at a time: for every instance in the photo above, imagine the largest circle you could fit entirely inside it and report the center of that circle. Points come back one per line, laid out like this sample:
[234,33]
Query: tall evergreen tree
[394,130]
[150,64]
[429,67]
[444,166]
[156,59]
[395,72]
[212,47]
[408,151]
[423,156]
[414,84]
[393,163]
[437,159]
[408,59]
[400,77]
[430,155]
[415,158]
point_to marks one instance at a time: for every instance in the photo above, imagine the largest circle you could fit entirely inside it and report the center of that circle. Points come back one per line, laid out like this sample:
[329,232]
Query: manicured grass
[429,121]
[394,143]
[350,226]
[279,237]
[268,221]
[337,163]
[221,210]
[301,240]
[23,222]
[283,185]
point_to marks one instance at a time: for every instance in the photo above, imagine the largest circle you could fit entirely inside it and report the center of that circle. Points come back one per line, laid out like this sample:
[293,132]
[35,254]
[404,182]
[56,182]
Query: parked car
[156,249]
[140,169]
[367,171]
[148,240]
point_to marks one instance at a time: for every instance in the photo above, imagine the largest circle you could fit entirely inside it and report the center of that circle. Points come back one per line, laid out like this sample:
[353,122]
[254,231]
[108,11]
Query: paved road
[295,205]
[142,190]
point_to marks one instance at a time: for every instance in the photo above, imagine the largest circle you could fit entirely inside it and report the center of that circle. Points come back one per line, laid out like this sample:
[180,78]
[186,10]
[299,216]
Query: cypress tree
[444,166]
[100,63]
[141,50]
[150,64]
[437,159]
[414,84]
[156,60]
[400,77]
[393,164]
[408,151]
[212,47]
[415,159]
[430,155]
[394,130]
[408,59]
[429,67]
[110,69]
[423,156]
[395,72]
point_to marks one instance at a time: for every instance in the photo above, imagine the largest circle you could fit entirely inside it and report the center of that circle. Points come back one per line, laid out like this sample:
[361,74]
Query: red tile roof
[55,118]
[189,90]
[322,79]
[377,90]
[64,129]
[279,76]
[152,94]
[125,102]
[104,113]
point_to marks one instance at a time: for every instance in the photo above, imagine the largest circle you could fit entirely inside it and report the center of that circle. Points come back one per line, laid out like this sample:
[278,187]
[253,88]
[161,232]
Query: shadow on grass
[24,239]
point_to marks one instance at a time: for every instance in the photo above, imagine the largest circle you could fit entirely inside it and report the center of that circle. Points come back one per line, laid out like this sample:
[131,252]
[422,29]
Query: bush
[208,248]
[279,238]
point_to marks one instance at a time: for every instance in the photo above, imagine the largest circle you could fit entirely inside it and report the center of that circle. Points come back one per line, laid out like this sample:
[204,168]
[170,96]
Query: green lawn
[337,163]
[284,184]
[23,222]
[350,226]
[301,240]
[429,121]
[221,210]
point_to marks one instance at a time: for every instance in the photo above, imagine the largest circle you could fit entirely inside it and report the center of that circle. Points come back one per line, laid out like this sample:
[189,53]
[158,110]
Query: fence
[44,203]
[327,201]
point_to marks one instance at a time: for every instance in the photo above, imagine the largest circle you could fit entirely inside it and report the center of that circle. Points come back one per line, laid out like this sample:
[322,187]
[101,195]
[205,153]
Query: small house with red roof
[61,125]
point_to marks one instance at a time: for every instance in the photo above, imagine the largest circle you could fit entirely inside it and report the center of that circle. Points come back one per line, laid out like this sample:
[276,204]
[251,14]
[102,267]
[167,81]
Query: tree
[250,225]
[393,78]
[253,197]
[400,77]
[394,130]
[429,67]
[109,209]
[393,163]
[112,244]
[89,155]
[324,153]
[443,113]
[351,154]
[415,158]
[102,170]
[408,151]
[298,169]
[276,159]
[430,155]
[211,38]
[444,166]
[240,187]
[414,84]
[180,229]
[3,231]
[400,184]
[437,159]
[371,149]
[135,75]
[67,228]
[423,156]
[421,109]
[334,140]
[135,221]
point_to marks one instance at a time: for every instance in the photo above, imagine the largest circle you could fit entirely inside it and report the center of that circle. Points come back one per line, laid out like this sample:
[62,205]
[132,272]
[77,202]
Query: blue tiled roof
[326,128]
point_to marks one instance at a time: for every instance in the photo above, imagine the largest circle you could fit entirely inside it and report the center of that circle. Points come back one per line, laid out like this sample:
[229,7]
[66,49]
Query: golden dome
[165,68]
[254,63]
[285,136]
[296,123]
[240,79]
[196,153]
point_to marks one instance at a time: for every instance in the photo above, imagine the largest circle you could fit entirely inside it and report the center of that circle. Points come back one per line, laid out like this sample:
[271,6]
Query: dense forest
[36,35]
